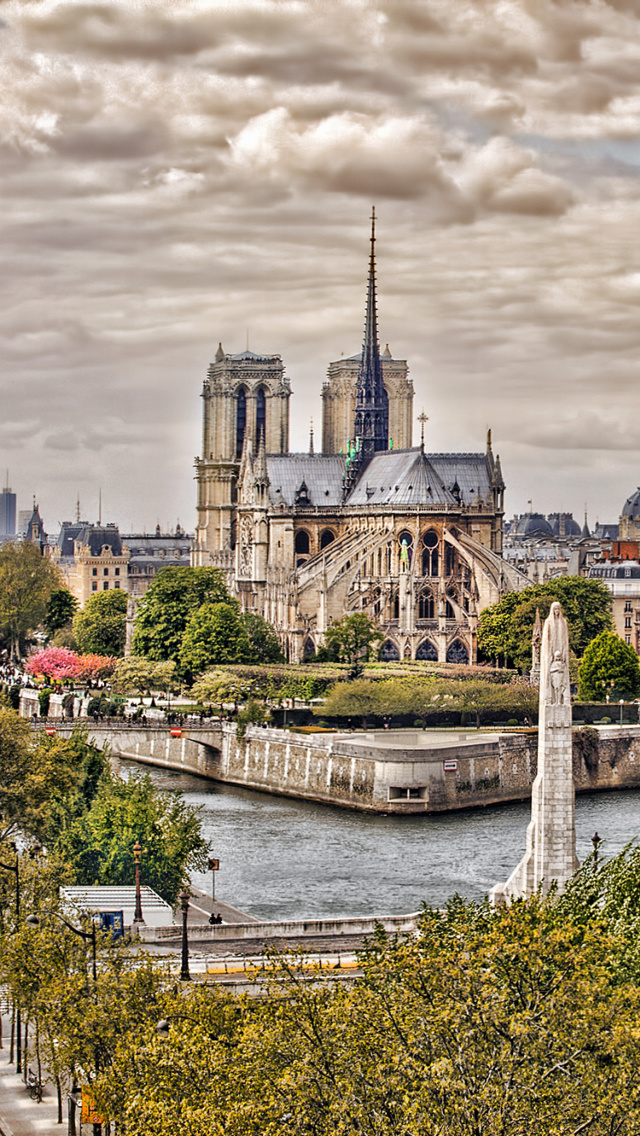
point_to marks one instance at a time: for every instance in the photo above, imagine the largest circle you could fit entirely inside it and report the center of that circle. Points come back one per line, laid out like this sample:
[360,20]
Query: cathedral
[372,524]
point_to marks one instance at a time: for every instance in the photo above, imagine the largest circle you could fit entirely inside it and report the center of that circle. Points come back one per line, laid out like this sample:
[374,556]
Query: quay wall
[401,773]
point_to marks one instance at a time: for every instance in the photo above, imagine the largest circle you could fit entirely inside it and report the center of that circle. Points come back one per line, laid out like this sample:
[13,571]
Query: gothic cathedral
[370,524]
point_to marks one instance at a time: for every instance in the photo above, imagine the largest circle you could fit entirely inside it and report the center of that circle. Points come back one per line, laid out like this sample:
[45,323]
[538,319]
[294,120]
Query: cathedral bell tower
[245,406]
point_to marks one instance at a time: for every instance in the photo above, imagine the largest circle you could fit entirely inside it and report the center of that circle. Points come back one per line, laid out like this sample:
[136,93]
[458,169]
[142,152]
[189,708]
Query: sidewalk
[21,1116]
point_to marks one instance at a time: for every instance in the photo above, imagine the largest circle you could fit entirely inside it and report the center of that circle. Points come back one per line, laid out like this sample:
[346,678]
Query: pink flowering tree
[95,666]
[57,664]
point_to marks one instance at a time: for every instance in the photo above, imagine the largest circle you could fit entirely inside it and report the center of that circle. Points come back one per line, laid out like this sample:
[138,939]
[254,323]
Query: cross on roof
[422,418]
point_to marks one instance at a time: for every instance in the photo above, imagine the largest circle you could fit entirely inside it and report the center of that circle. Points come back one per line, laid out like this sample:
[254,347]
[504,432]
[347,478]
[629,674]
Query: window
[116,571]
[627,622]
[430,554]
[105,571]
[302,542]
[94,587]
[405,550]
[94,572]
[261,416]
[627,640]
[327,538]
[627,606]
[105,586]
[117,584]
[241,420]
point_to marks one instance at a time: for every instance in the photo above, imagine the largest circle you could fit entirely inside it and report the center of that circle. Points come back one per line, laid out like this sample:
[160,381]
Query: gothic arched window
[327,538]
[241,420]
[302,543]
[426,606]
[430,553]
[261,416]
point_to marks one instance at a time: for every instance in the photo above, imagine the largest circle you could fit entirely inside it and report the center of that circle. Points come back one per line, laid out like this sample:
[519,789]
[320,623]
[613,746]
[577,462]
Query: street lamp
[596,841]
[184,905]
[15,868]
[621,705]
[137,852]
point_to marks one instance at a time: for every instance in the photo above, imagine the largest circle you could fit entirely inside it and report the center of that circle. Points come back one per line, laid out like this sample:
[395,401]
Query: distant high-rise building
[24,516]
[7,511]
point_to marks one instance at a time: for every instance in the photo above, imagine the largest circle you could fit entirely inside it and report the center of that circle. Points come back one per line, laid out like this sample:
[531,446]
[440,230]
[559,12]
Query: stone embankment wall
[408,772]
[312,928]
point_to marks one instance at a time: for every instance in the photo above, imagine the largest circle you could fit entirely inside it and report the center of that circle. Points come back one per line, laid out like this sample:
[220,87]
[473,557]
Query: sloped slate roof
[400,477]
[468,470]
[321,473]
[94,535]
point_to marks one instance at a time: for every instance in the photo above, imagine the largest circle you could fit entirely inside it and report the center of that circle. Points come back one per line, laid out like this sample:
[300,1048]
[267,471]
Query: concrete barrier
[296,929]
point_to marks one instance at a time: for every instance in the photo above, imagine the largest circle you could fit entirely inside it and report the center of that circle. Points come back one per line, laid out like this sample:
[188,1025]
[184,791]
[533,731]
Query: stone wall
[384,772]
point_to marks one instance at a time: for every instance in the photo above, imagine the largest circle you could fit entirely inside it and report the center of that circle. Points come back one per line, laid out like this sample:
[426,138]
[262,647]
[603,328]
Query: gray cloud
[175,174]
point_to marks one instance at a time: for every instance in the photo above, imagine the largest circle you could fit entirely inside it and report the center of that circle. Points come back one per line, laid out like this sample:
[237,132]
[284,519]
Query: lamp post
[137,852]
[15,868]
[213,866]
[184,905]
[596,841]
[621,705]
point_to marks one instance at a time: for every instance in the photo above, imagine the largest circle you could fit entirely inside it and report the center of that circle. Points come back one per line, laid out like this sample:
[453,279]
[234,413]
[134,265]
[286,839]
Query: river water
[286,859]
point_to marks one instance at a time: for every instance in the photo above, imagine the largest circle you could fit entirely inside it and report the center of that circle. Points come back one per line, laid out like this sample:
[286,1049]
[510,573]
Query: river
[286,859]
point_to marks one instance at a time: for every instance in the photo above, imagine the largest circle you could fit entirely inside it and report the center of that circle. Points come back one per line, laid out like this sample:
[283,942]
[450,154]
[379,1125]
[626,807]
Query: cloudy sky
[177,175]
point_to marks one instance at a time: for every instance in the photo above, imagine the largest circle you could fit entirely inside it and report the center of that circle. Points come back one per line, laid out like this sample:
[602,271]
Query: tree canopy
[27,580]
[215,634]
[167,606]
[100,628]
[137,674]
[61,608]
[353,639]
[505,630]
[264,643]
[610,667]
[97,844]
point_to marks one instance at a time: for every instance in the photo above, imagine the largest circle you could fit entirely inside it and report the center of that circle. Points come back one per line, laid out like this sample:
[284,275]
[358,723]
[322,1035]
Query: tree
[98,844]
[100,628]
[35,772]
[218,687]
[61,608]
[214,635]
[138,674]
[27,580]
[505,630]
[265,645]
[353,639]
[167,606]
[609,666]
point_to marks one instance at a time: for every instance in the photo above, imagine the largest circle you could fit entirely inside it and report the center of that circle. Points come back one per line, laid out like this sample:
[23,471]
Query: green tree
[505,630]
[98,844]
[100,628]
[61,608]
[35,772]
[609,666]
[214,635]
[220,687]
[138,674]
[27,579]
[353,639]
[265,645]
[167,606]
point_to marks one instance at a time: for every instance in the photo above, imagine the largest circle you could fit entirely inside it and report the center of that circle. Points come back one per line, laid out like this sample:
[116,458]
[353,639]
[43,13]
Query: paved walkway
[19,1114]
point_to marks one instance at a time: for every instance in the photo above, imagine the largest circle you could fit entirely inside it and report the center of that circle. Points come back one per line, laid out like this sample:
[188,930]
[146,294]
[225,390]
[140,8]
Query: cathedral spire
[372,404]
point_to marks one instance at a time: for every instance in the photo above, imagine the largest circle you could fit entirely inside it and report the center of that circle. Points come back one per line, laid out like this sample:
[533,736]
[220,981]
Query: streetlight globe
[33,920]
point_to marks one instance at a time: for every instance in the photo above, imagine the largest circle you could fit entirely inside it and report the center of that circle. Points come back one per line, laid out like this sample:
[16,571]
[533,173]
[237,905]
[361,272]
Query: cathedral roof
[468,471]
[400,477]
[320,473]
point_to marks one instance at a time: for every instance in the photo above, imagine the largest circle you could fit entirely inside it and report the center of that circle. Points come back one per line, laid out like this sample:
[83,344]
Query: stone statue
[404,555]
[554,660]
[551,836]
[536,640]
